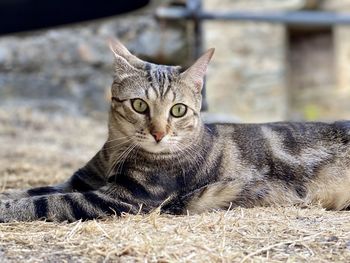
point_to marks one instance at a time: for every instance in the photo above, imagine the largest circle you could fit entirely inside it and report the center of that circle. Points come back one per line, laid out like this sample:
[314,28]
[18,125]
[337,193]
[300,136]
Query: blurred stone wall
[248,75]
[70,68]
[260,71]
[269,72]
[319,80]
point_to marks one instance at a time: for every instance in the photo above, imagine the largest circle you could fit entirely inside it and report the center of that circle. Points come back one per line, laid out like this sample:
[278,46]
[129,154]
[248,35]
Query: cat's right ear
[194,75]
[122,67]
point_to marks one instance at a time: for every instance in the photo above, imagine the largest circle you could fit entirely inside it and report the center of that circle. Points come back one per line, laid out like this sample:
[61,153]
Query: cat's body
[159,154]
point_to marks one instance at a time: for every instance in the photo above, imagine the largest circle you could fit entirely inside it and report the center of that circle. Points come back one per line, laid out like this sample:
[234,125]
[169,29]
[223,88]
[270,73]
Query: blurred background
[261,71]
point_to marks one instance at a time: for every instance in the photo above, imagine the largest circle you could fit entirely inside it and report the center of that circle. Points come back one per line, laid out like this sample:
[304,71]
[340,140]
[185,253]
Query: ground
[38,148]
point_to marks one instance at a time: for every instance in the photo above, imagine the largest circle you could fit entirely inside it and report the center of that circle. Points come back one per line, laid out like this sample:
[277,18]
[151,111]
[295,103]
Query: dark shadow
[23,15]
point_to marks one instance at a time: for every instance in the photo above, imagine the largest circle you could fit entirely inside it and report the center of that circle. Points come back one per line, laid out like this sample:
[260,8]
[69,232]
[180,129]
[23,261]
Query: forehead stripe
[160,78]
[148,69]
[167,83]
[150,77]
[147,93]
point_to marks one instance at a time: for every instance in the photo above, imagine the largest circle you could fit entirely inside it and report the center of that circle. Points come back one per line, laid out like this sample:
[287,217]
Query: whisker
[120,166]
[119,155]
[119,138]
[117,145]
[115,162]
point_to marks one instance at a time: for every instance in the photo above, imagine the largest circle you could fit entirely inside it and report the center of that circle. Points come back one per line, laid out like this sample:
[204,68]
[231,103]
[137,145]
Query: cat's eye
[139,105]
[178,110]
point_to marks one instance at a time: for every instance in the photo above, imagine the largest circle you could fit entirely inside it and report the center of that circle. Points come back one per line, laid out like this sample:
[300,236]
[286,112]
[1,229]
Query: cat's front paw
[2,220]
[5,196]
[3,211]
[8,213]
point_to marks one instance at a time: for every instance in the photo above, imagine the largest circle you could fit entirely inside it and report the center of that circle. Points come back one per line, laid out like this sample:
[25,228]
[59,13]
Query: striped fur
[194,167]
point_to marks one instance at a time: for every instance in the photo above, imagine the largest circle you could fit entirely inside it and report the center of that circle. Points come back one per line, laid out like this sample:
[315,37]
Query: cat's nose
[158,135]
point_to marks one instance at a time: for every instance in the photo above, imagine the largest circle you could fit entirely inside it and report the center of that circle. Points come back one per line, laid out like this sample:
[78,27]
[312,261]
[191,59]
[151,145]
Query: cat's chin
[156,148]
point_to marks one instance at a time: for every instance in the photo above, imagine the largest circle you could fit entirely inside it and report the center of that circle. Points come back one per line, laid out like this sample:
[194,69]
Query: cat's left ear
[194,75]
[123,67]
[120,50]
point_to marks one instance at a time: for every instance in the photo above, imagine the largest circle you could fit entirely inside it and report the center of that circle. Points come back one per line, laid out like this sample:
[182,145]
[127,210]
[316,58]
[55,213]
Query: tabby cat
[159,154]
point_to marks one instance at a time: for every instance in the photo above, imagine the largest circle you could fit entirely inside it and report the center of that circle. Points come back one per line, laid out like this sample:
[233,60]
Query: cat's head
[156,107]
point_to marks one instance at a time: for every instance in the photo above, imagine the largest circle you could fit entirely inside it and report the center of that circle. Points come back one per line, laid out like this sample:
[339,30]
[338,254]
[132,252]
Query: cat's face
[156,107]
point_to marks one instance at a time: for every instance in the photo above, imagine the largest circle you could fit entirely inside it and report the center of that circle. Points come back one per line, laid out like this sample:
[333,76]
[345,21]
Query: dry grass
[39,149]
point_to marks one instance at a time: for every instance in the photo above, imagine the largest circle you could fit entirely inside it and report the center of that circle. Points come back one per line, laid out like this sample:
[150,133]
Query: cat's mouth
[166,145]
[156,147]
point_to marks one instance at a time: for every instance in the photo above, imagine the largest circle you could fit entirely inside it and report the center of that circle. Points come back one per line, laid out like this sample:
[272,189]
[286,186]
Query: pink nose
[158,135]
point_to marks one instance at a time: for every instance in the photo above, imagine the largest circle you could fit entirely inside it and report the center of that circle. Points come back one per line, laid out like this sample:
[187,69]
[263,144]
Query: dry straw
[40,149]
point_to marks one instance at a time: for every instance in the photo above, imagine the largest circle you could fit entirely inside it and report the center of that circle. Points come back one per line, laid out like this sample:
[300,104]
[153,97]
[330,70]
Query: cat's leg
[226,194]
[81,181]
[90,177]
[64,207]
[44,190]
[214,196]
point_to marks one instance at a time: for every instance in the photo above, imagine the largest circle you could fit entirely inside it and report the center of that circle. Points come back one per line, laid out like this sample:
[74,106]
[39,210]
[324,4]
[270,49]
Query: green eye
[139,105]
[178,110]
